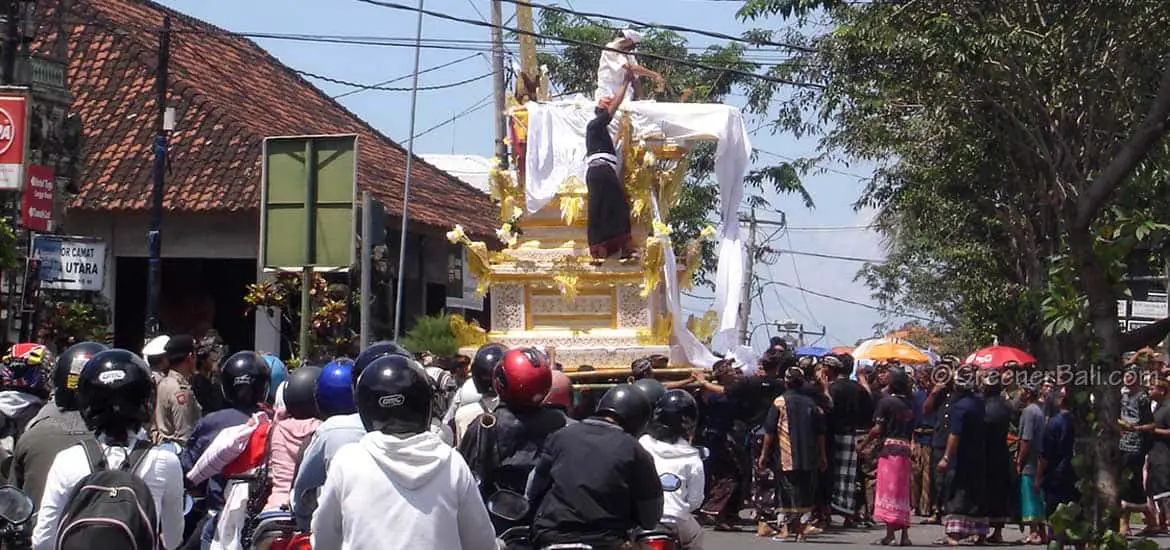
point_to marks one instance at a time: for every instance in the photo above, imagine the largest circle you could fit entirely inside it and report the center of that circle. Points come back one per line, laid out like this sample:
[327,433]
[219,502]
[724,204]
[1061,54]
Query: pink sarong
[892,498]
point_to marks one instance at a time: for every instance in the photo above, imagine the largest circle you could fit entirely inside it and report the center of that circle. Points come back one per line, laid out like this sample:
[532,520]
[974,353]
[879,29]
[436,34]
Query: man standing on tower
[616,60]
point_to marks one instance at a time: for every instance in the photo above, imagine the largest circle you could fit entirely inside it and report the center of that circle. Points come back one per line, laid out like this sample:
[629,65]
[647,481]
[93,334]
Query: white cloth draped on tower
[556,152]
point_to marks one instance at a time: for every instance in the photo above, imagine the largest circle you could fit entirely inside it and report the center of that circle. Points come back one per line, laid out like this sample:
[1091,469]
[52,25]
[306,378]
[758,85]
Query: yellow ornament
[467,334]
[571,206]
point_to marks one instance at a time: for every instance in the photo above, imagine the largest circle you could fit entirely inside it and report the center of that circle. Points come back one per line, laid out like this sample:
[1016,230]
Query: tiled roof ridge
[146,54]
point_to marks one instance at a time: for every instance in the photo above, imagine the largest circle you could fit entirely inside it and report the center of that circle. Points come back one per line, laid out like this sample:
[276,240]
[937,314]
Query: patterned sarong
[846,464]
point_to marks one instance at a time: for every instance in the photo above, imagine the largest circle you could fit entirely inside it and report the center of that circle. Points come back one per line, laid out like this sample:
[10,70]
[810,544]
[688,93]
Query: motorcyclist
[502,447]
[341,426]
[679,464]
[476,396]
[400,487]
[114,394]
[296,422]
[57,427]
[24,387]
[244,378]
[593,482]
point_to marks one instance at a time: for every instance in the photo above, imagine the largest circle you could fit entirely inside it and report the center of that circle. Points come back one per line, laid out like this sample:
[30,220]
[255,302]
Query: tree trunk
[1100,433]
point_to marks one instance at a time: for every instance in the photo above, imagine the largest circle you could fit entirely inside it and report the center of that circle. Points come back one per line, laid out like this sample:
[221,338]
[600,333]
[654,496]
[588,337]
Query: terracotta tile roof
[228,94]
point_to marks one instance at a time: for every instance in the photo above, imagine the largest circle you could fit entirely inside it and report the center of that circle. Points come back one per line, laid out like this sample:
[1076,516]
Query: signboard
[1147,310]
[1134,325]
[1121,308]
[464,297]
[307,207]
[13,140]
[36,205]
[70,263]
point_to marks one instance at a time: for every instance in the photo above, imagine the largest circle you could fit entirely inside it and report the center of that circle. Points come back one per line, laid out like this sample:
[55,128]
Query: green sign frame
[308,189]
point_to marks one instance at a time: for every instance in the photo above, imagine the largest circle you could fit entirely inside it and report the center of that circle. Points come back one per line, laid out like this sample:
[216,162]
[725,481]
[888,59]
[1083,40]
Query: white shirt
[681,459]
[611,72]
[159,469]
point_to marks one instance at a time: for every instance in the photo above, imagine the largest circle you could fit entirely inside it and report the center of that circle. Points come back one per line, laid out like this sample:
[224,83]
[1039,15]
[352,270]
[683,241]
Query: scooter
[15,511]
[276,530]
[512,507]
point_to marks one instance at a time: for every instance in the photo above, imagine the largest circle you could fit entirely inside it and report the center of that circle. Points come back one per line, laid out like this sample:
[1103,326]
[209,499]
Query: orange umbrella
[841,349]
[899,351]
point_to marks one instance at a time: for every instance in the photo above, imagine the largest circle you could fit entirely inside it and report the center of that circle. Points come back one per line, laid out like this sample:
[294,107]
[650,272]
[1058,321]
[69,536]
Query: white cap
[632,35]
[157,346]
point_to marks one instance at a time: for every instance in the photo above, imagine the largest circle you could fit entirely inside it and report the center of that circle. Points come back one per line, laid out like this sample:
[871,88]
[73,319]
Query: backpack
[111,509]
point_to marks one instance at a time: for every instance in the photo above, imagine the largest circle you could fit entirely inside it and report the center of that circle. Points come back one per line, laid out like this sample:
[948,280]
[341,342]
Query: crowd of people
[394,450]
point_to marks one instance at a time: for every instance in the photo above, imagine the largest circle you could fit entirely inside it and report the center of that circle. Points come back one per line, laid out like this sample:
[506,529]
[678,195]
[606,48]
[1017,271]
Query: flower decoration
[456,235]
[467,334]
[507,235]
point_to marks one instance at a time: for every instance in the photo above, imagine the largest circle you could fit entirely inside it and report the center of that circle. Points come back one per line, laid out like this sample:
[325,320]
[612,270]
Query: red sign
[13,111]
[36,210]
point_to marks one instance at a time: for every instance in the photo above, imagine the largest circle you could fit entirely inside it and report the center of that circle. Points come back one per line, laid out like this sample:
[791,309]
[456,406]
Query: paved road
[920,535]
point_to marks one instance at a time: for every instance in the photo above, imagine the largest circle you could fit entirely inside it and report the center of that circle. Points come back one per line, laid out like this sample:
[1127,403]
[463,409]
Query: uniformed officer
[155,355]
[177,410]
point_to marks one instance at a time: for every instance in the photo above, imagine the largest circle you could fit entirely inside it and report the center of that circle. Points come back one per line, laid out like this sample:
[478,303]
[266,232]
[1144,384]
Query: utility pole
[745,301]
[498,82]
[154,235]
[367,283]
[406,185]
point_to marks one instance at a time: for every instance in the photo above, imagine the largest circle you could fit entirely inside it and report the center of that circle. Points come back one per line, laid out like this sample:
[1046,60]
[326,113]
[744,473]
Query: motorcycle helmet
[26,369]
[245,378]
[522,378]
[394,396]
[653,389]
[485,362]
[300,392]
[278,372]
[675,416]
[67,370]
[335,389]
[627,406]
[374,351]
[560,394]
[115,392]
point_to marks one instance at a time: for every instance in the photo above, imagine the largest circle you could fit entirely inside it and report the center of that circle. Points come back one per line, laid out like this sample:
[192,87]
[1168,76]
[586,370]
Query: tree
[1037,130]
[573,69]
[280,298]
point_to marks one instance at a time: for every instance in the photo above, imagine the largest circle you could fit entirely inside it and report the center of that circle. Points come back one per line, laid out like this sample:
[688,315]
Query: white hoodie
[681,459]
[389,493]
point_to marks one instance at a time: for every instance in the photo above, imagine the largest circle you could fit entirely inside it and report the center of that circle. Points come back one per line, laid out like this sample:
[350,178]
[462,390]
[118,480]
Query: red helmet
[522,378]
[561,392]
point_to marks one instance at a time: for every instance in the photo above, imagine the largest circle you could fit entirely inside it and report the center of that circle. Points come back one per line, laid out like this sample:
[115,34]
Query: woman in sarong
[964,463]
[609,209]
[893,420]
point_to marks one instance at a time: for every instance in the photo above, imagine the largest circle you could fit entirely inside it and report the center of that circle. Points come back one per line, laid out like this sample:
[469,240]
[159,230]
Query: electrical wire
[476,107]
[826,256]
[853,302]
[667,59]
[390,89]
[796,271]
[406,76]
[676,28]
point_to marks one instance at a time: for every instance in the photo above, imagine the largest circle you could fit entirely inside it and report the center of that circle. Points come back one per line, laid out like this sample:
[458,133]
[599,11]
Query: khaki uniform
[176,411]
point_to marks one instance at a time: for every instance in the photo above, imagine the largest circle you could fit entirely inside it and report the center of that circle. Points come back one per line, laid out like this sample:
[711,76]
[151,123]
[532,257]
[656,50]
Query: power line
[796,271]
[389,89]
[826,256]
[694,64]
[833,228]
[406,76]
[854,303]
[476,107]
[677,28]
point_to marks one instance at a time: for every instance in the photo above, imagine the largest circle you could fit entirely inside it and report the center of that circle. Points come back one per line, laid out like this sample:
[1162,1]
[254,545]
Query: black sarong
[609,211]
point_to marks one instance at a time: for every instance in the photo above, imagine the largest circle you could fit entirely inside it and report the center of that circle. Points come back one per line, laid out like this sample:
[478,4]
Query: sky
[832,228]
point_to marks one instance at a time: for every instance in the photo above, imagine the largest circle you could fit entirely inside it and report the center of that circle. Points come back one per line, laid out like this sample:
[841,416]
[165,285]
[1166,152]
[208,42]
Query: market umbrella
[900,351]
[842,350]
[814,351]
[865,346]
[994,357]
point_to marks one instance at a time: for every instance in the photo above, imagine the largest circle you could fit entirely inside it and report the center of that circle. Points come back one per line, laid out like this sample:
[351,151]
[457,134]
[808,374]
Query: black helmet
[115,392]
[376,350]
[394,396]
[653,389]
[626,405]
[485,362]
[67,370]
[300,392]
[675,415]
[244,378]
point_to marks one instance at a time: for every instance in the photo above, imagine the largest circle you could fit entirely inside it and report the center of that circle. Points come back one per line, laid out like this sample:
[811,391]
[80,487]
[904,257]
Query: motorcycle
[15,511]
[276,530]
[511,507]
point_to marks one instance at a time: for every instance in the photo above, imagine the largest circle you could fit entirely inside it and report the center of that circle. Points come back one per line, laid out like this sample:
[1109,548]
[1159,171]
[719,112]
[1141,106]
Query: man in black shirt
[594,482]
[755,395]
[796,428]
[852,412]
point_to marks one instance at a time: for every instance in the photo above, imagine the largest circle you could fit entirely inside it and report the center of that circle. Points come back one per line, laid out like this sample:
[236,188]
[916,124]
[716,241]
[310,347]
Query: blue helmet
[335,389]
[279,374]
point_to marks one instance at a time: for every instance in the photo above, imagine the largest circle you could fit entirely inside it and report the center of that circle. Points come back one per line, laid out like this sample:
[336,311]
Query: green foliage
[66,320]
[329,335]
[431,334]
[574,70]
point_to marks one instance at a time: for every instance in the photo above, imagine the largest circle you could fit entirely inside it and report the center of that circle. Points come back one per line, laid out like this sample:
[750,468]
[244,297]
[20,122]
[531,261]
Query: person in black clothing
[965,462]
[598,500]
[795,427]
[609,209]
[205,380]
[852,411]
[755,395]
[502,447]
[725,466]
[1001,491]
[938,402]
[893,429]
